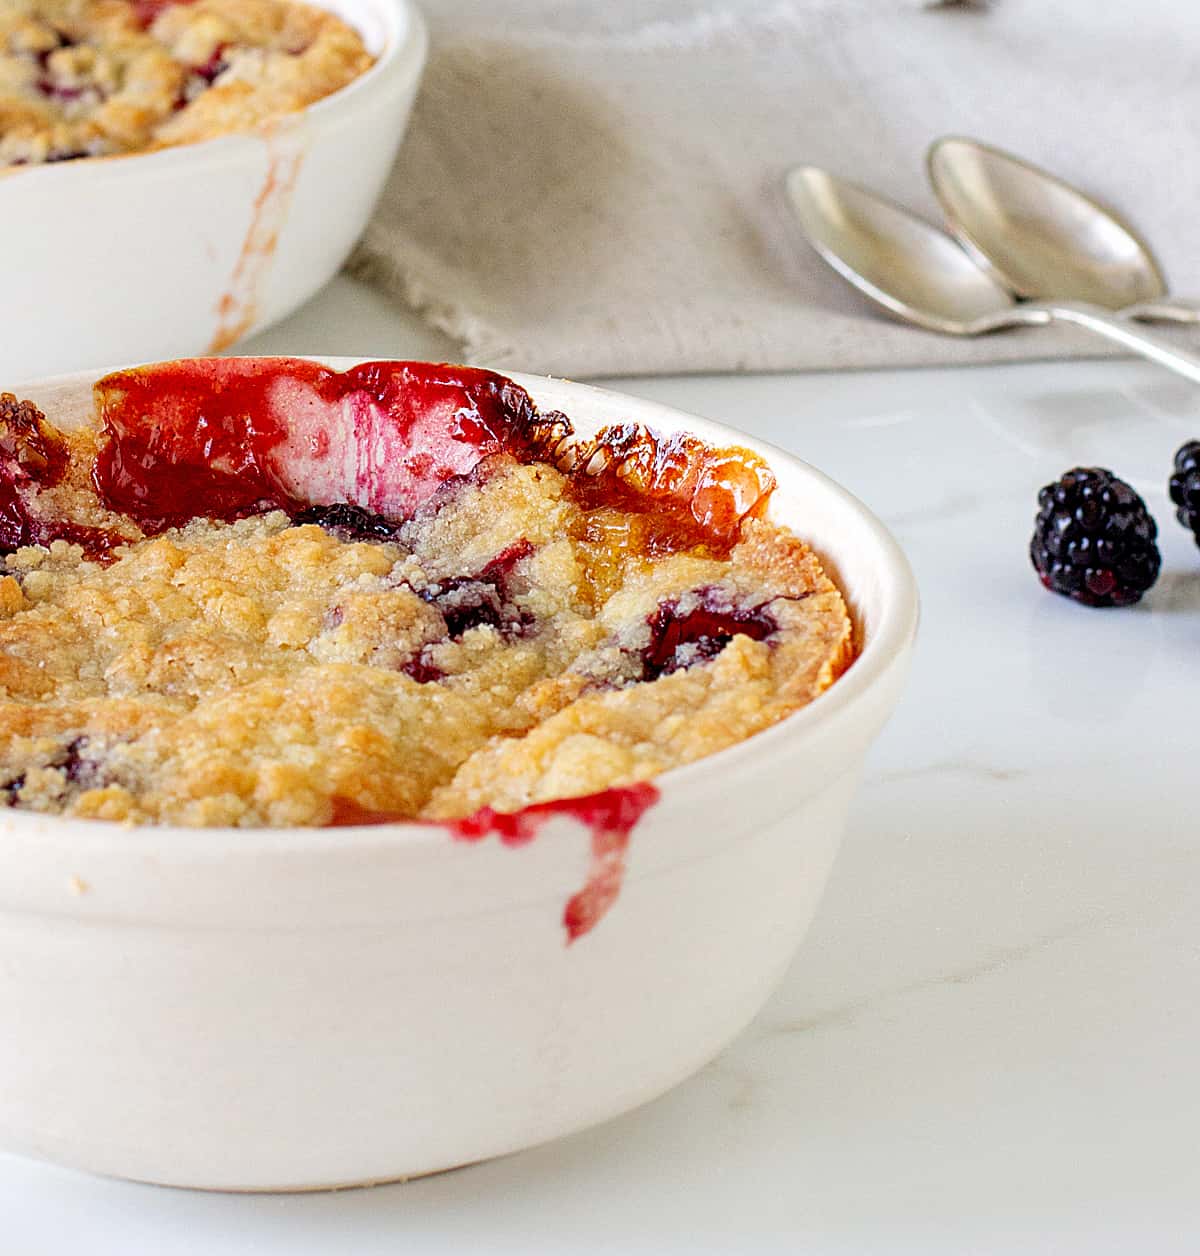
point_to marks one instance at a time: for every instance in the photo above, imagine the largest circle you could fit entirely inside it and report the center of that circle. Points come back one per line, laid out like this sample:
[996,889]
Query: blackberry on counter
[1095,539]
[1185,487]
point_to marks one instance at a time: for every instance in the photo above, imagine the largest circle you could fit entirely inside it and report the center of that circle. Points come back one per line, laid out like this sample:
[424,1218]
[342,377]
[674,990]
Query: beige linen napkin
[596,188]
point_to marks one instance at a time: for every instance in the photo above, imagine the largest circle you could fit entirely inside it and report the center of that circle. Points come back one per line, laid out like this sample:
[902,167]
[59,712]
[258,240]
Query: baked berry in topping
[697,628]
[1094,539]
[420,669]
[33,456]
[501,567]
[348,523]
[467,604]
[214,67]
[77,767]
[65,92]
[30,449]
[1185,487]
[81,763]
[485,600]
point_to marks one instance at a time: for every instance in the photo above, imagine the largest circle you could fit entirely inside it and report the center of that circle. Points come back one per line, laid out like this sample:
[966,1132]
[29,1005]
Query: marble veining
[996,961]
[954,767]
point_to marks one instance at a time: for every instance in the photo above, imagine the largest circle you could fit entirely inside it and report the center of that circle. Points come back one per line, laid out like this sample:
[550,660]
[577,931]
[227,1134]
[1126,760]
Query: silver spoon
[917,272]
[1043,238]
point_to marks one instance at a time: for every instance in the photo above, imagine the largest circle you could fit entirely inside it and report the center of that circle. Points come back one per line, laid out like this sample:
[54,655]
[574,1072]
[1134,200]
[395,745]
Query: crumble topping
[90,78]
[539,620]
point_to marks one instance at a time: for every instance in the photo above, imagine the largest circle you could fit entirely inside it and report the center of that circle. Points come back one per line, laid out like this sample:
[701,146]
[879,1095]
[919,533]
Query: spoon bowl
[918,273]
[901,262]
[1039,236]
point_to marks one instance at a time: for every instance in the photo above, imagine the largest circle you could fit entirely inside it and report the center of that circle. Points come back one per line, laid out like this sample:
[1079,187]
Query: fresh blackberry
[1094,540]
[1185,487]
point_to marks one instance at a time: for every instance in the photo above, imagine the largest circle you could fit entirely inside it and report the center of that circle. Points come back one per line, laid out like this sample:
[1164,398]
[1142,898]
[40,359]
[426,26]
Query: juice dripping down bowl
[301,1009]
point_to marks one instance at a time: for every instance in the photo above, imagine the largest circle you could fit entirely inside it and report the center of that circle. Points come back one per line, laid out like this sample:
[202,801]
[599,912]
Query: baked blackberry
[1185,487]
[1095,540]
[348,523]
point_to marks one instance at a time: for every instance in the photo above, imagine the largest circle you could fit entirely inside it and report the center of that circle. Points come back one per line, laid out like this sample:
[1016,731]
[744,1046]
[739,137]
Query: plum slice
[223,438]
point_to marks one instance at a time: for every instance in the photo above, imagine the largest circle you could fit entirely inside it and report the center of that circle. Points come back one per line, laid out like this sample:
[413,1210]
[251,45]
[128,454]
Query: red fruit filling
[60,91]
[420,669]
[224,438]
[468,602]
[214,67]
[31,451]
[146,12]
[33,455]
[680,640]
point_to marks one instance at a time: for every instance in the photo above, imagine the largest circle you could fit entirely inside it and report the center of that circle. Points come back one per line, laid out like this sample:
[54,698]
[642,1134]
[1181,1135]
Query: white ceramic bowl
[305,1008]
[186,250]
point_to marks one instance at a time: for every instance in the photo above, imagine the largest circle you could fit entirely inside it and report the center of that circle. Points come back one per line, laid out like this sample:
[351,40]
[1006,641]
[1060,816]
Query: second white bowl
[184,251]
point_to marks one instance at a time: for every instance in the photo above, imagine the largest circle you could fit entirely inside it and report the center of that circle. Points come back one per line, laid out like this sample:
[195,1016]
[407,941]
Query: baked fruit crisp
[262,592]
[89,78]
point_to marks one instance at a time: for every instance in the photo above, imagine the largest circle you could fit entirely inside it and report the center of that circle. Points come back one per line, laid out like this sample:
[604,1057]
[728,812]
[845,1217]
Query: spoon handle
[1173,311]
[1111,327]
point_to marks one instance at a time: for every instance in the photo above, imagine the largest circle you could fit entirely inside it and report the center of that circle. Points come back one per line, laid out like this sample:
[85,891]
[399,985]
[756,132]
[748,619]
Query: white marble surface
[989,1041]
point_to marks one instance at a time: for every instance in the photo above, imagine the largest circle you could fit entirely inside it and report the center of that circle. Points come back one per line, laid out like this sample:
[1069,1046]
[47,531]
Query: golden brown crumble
[88,78]
[487,650]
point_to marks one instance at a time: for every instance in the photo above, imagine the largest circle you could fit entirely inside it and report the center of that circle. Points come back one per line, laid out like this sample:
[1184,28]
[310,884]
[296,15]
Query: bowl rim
[884,650]
[405,45]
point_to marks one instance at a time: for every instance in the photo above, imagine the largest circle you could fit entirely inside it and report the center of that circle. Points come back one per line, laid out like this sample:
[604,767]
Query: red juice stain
[145,12]
[422,671]
[500,568]
[214,66]
[347,813]
[610,816]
